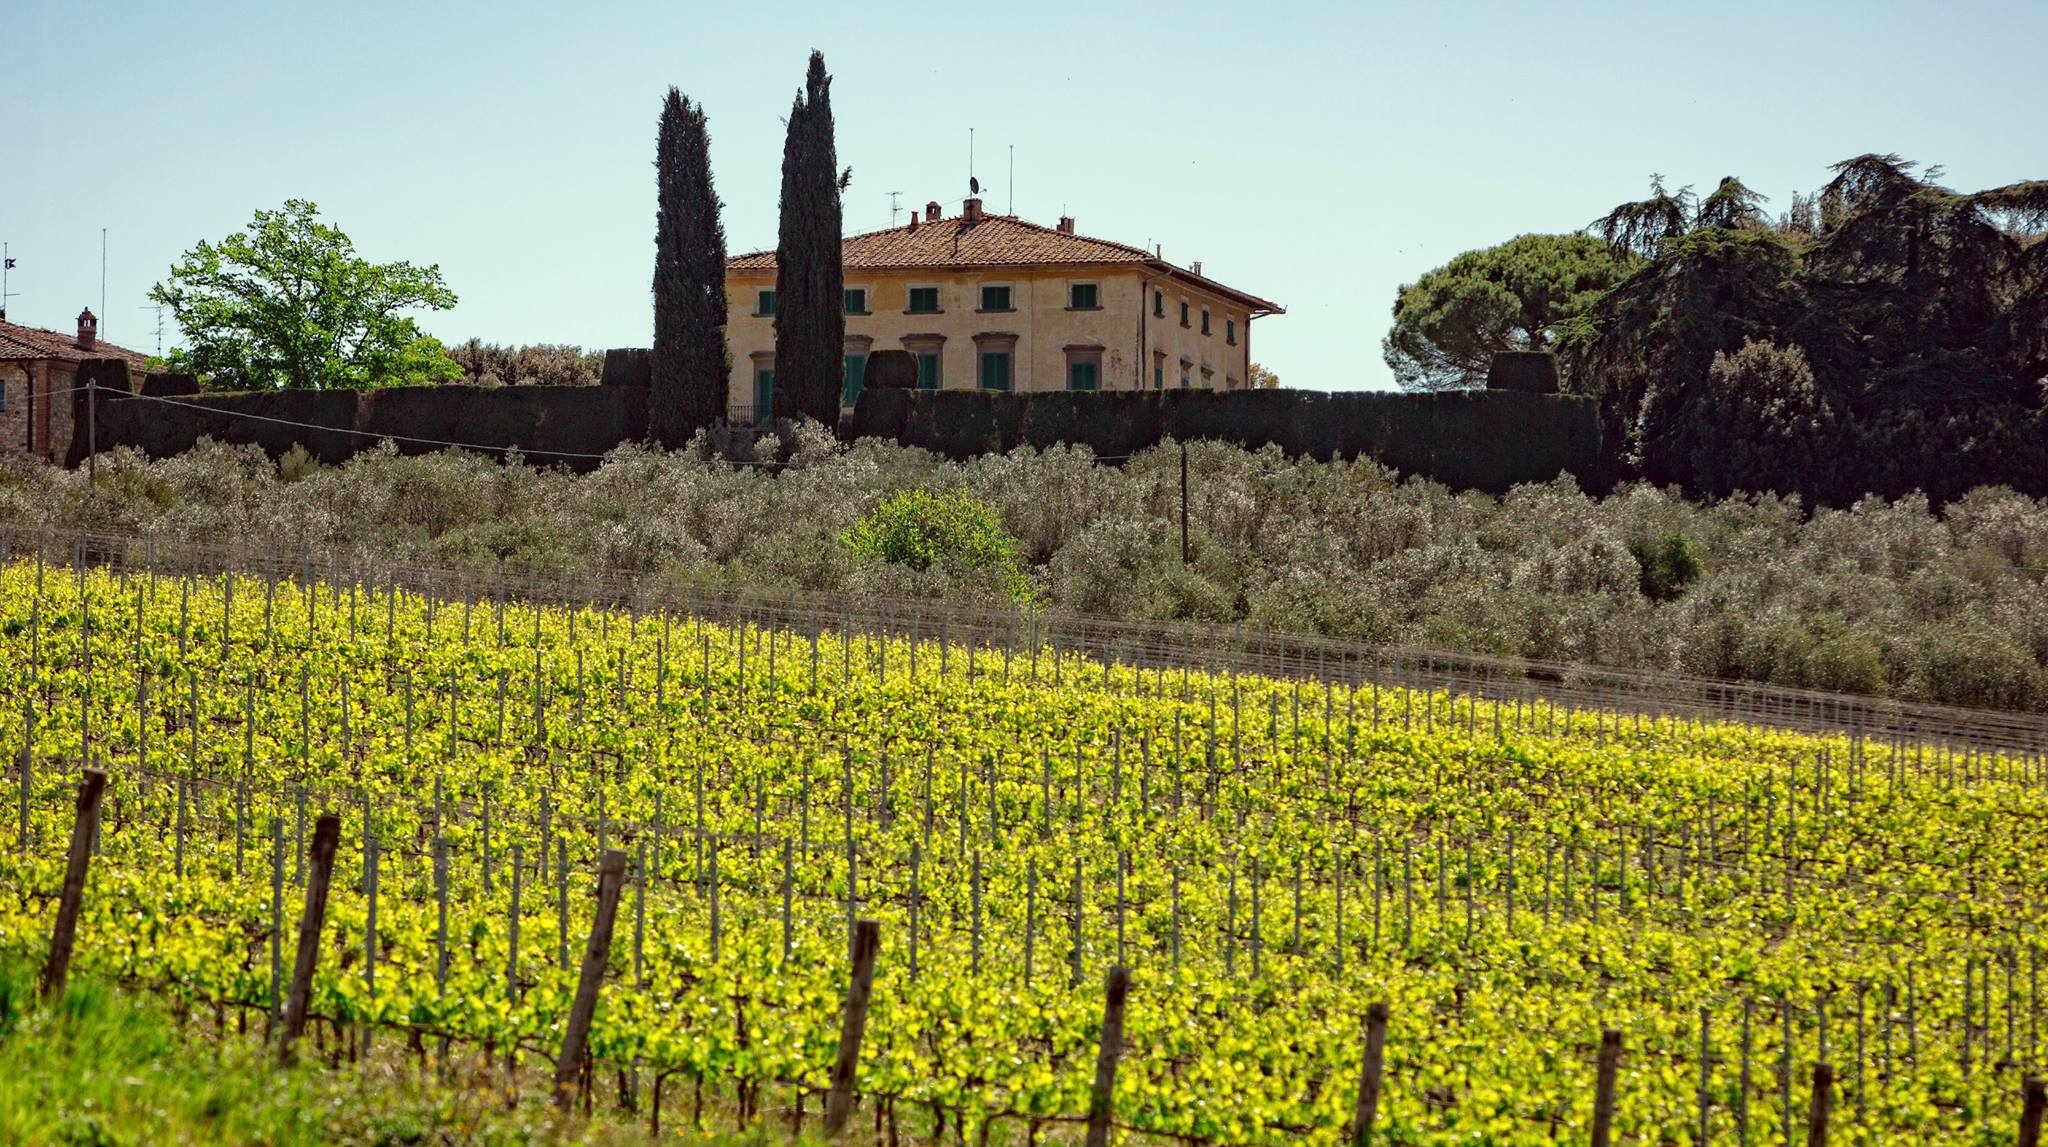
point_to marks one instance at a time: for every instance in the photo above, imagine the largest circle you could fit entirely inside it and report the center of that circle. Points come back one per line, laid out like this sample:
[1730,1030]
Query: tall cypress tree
[810,325]
[690,365]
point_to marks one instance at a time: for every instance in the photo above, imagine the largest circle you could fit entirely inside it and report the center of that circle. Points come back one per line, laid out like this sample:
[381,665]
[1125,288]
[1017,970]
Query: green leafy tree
[810,320]
[1449,324]
[288,303]
[690,367]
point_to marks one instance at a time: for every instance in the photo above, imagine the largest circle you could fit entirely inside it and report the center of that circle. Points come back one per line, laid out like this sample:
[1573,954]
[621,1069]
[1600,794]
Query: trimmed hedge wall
[1474,439]
[548,423]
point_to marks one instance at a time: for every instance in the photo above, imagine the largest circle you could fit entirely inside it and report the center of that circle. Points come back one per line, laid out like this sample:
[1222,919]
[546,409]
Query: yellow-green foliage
[1268,856]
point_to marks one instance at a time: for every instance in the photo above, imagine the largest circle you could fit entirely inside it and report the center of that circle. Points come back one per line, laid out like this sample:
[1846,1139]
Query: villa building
[996,303]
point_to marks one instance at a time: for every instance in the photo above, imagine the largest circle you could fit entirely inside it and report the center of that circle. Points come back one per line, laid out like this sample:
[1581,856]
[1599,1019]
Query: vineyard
[1267,857]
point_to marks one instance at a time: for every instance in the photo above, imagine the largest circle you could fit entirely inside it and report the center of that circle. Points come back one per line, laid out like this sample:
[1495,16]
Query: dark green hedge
[551,424]
[1481,440]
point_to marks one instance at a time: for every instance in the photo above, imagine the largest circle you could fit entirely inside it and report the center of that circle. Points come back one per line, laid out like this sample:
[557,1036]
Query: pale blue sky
[1317,154]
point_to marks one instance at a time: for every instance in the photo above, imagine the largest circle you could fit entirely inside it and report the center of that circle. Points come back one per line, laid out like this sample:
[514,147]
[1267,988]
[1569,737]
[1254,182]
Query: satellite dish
[974,185]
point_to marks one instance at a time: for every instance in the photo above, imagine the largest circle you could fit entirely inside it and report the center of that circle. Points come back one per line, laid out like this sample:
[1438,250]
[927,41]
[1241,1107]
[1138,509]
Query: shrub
[951,530]
[1666,567]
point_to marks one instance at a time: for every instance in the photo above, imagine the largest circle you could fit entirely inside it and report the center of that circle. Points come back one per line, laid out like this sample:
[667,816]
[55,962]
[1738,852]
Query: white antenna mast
[159,309]
[970,159]
[6,265]
[894,207]
[1013,179]
[103,279]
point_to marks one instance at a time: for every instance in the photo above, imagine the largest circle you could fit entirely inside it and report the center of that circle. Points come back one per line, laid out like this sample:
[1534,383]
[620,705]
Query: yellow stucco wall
[1123,325]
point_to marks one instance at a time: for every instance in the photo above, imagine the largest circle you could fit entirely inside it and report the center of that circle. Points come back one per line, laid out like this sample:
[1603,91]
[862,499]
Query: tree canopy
[288,303]
[1449,324]
[687,389]
[1887,335]
[810,319]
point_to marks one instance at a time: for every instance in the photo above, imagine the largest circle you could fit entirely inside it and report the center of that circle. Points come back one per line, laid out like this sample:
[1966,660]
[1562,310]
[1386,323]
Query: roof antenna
[1013,179]
[894,208]
[973,184]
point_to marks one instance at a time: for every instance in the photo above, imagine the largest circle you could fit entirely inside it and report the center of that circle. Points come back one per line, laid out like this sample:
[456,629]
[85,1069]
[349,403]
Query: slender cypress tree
[810,325]
[690,365]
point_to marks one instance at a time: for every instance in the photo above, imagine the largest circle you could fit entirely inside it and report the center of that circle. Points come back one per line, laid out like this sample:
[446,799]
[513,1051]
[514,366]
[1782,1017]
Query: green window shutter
[856,300]
[765,303]
[995,298]
[995,370]
[1082,375]
[855,375]
[1158,304]
[924,300]
[1183,312]
[1230,331]
[928,370]
[1205,320]
[764,392]
[1082,298]
[1158,377]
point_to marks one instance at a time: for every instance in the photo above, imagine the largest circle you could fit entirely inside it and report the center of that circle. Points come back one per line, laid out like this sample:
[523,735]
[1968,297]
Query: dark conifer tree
[810,325]
[690,367]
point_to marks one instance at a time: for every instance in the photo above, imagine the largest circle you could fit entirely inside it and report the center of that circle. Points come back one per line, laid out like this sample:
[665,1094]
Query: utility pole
[1183,503]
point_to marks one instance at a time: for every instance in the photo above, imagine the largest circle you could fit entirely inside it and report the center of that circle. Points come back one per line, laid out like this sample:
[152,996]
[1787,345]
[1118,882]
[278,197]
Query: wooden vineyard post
[1368,1107]
[1102,1098]
[1603,1095]
[867,939]
[2033,1097]
[611,875]
[326,835]
[1823,1102]
[90,786]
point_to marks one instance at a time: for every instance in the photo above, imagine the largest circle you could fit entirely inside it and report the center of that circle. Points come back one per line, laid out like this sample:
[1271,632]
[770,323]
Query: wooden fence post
[83,830]
[1368,1106]
[1823,1102]
[326,835]
[1603,1095]
[867,939]
[2032,1099]
[1101,1100]
[611,875]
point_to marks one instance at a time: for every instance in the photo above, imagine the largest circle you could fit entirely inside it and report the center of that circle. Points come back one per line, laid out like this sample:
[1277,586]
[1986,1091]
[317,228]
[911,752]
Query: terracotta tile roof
[20,343]
[993,241]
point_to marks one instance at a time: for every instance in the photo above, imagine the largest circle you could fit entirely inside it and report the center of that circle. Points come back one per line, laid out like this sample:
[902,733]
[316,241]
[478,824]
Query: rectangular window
[924,300]
[995,370]
[856,300]
[764,303]
[1205,320]
[1083,375]
[855,375]
[1183,378]
[764,393]
[3,396]
[1230,331]
[1158,376]
[1159,304]
[928,370]
[1184,312]
[1081,297]
[995,298]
